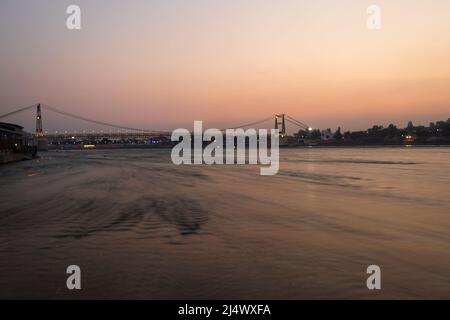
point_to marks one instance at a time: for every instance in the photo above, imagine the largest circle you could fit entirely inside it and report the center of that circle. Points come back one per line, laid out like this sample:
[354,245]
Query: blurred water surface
[141,227]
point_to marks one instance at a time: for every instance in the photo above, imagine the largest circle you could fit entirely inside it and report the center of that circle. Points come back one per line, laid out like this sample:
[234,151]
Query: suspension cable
[17,111]
[250,124]
[299,123]
[296,124]
[71,115]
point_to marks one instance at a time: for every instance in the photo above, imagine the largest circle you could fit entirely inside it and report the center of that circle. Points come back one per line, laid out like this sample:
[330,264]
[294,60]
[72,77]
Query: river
[141,227]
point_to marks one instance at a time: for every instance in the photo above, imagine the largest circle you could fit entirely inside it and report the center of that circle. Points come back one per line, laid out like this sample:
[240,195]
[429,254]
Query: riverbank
[9,156]
[327,145]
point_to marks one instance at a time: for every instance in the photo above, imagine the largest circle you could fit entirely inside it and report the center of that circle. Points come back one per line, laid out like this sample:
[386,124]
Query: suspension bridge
[120,133]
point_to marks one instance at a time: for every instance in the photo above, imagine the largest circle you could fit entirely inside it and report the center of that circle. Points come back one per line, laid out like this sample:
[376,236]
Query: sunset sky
[165,63]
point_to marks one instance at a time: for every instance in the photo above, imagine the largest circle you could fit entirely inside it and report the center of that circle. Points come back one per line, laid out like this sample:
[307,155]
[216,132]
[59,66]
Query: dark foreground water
[140,227]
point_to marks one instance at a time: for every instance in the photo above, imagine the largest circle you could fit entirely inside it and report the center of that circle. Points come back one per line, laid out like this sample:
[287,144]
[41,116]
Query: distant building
[15,144]
[327,135]
[11,136]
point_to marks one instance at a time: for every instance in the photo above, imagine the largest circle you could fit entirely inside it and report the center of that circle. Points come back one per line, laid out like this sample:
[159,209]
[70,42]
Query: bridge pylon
[280,121]
[41,141]
[39,131]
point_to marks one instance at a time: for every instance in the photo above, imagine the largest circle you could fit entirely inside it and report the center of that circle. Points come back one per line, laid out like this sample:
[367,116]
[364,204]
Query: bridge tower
[39,131]
[280,121]
[41,141]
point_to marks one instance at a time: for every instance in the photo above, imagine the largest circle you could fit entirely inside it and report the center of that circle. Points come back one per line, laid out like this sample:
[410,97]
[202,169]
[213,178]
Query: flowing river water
[141,227]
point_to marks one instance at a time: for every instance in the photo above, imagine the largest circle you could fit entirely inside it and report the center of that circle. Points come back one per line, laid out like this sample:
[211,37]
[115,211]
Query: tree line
[436,133]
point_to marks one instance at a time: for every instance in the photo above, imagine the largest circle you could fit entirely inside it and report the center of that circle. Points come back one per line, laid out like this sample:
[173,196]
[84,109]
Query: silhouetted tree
[315,134]
[392,131]
[338,135]
[347,135]
[410,127]
[301,134]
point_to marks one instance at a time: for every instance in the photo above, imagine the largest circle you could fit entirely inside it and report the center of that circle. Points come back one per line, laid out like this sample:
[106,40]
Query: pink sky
[164,64]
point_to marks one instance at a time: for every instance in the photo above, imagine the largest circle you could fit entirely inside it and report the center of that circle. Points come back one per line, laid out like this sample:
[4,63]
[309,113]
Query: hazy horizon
[164,64]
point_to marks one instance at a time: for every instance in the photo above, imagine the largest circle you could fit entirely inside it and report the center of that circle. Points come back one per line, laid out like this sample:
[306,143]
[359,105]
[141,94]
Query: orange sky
[164,64]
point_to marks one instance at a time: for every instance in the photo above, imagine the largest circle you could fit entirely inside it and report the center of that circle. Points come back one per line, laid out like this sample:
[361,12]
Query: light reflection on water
[141,227]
